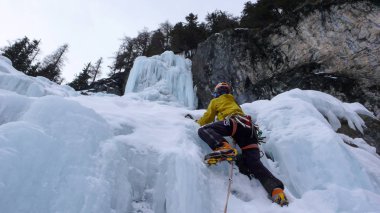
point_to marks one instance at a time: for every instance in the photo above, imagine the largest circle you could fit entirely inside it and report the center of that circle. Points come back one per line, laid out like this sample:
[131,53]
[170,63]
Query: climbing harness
[246,122]
[243,120]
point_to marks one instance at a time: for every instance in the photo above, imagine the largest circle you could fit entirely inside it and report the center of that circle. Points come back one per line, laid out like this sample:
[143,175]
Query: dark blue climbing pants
[213,134]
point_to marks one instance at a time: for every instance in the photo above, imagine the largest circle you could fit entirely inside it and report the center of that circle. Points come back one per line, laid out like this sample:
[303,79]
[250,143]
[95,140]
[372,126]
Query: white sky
[94,28]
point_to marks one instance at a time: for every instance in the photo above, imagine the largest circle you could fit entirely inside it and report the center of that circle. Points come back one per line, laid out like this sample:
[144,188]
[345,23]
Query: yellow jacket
[221,106]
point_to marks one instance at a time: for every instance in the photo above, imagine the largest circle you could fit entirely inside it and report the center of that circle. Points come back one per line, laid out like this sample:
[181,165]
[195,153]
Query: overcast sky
[94,28]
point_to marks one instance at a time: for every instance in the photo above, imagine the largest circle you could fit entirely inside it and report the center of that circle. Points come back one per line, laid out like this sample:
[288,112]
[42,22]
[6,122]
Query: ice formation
[163,77]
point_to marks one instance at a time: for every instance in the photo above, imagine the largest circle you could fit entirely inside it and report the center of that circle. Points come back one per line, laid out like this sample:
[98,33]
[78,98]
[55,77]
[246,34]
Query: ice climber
[231,121]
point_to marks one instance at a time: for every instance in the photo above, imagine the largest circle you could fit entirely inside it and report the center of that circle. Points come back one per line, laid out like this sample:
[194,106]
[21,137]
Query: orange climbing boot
[222,153]
[226,150]
[278,196]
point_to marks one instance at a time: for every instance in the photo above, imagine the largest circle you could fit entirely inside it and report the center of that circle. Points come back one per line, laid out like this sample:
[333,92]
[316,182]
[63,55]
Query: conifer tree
[23,53]
[80,81]
[219,20]
[185,37]
[157,44]
[177,41]
[51,67]
[265,12]
[191,32]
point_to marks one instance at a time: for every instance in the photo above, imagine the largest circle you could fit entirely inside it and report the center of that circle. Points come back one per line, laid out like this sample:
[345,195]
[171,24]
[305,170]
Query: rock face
[332,48]
[113,85]
[371,134]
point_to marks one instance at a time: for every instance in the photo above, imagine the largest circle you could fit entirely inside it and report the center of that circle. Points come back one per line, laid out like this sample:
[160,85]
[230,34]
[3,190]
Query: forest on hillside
[181,37]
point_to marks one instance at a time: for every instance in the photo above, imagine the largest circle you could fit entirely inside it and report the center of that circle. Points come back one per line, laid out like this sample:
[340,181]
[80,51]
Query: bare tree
[166,29]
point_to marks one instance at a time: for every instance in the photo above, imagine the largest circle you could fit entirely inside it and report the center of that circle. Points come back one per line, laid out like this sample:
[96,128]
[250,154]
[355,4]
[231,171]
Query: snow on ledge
[16,81]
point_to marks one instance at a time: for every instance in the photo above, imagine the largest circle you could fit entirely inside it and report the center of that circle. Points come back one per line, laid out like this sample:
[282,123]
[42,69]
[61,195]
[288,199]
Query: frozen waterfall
[164,77]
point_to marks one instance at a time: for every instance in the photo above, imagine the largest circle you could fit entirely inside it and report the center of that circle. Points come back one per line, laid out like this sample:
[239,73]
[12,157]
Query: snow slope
[13,80]
[63,152]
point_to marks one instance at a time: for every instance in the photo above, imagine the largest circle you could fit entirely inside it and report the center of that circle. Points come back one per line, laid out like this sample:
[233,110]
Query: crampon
[216,157]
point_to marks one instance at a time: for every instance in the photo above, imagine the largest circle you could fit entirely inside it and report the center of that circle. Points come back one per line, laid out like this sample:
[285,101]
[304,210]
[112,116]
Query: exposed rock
[113,85]
[333,49]
[371,134]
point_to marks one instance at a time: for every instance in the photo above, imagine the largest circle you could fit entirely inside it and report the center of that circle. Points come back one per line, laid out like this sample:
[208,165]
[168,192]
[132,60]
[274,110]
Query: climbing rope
[229,181]
[229,185]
